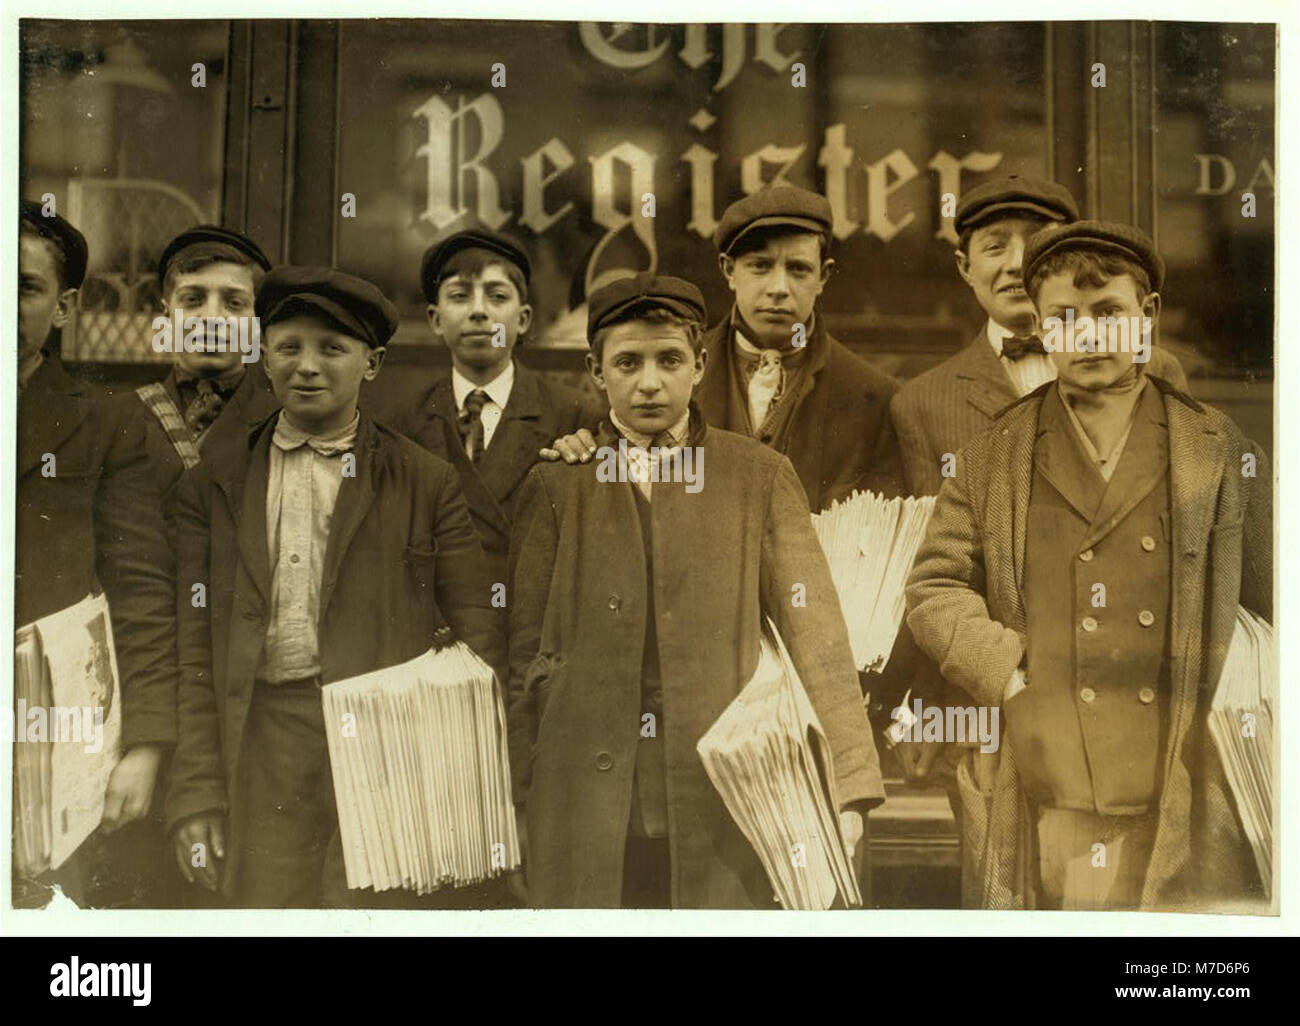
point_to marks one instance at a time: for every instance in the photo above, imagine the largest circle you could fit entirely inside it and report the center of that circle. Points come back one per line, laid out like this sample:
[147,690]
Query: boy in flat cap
[619,665]
[88,516]
[1083,570]
[491,415]
[940,411]
[776,373]
[211,273]
[328,545]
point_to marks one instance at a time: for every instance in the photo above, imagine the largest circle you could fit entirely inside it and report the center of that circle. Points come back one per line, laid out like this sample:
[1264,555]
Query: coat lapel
[988,388]
[441,427]
[49,410]
[240,472]
[1142,465]
[1058,457]
[519,436]
[806,436]
[356,495]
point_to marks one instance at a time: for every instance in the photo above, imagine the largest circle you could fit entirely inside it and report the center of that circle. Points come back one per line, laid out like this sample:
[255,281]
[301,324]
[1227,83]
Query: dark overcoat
[840,438]
[402,560]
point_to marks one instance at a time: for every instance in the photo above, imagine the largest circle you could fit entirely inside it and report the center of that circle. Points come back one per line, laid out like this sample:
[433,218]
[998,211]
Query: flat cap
[786,205]
[351,304]
[606,305]
[71,243]
[1096,236]
[211,234]
[1014,192]
[437,255]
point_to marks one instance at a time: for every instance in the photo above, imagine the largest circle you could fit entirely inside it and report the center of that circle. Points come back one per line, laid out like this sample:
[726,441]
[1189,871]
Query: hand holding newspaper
[67,731]
[421,777]
[769,760]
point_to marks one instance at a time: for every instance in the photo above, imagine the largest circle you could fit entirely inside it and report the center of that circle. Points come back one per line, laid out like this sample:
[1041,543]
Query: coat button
[1146,696]
[1086,555]
[1148,543]
[1087,694]
[1089,624]
[604,761]
[615,602]
[1146,618]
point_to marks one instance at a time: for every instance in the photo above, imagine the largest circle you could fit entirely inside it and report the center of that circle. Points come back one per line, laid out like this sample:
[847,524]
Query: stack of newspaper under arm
[770,762]
[421,773]
[870,543]
[1241,722]
[67,731]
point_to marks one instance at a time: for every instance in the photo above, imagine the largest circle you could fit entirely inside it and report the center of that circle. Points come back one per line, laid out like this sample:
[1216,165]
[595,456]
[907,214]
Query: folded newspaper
[870,543]
[1241,723]
[67,731]
[769,760]
[421,773]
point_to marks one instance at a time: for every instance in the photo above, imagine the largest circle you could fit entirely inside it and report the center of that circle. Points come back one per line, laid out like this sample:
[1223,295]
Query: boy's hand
[207,830]
[851,824]
[578,447]
[916,757]
[130,787]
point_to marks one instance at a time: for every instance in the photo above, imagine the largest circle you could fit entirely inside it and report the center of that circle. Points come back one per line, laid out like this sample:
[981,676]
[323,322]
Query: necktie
[764,386]
[204,408]
[1017,347]
[470,422]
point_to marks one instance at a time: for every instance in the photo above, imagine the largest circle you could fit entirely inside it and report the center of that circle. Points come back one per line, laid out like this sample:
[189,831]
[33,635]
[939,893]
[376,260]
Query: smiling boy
[327,546]
[1083,569]
[618,665]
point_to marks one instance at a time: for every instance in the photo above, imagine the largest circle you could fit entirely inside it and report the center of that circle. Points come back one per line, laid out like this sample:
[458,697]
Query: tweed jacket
[966,610]
[941,410]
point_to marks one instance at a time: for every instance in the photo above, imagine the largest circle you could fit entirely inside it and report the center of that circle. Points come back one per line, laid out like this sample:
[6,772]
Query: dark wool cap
[351,304]
[1014,193]
[777,205]
[437,255]
[206,234]
[71,243]
[606,305]
[1096,236]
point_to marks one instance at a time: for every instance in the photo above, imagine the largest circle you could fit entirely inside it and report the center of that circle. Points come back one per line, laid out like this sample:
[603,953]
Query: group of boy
[310,538]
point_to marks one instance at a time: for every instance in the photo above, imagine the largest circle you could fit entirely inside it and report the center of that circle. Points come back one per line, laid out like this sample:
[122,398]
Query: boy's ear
[374,360]
[963,264]
[701,358]
[728,268]
[1151,306]
[435,321]
[525,318]
[63,307]
[593,368]
[828,265]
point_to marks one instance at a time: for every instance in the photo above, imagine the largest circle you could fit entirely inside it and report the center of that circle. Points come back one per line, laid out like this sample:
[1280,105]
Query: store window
[144,163]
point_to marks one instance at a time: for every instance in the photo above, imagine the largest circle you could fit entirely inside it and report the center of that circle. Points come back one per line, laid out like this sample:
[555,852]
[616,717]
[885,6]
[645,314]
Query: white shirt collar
[498,389]
[677,431]
[996,335]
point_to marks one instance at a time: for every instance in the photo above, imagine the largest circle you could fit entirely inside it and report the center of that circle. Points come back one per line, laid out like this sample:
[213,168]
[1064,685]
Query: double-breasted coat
[942,409]
[840,438]
[740,547]
[402,560]
[966,609]
[538,412]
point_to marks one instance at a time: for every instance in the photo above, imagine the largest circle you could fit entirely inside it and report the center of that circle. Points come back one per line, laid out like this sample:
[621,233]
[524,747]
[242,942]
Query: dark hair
[53,243]
[1092,269]
[205,254]
[474,260]
[760,237]
[650,312]
[963,240]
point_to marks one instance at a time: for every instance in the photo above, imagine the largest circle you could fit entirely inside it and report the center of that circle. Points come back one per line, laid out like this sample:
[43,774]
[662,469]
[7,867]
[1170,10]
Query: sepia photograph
[498,466]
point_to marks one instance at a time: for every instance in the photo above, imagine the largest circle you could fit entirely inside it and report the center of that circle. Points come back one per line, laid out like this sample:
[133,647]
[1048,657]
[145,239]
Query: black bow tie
[1017,347]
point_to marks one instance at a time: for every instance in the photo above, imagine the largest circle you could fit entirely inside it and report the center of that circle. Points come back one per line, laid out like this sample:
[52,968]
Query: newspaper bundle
[1241,722]
[769,760]
[421,773]
[870,543]
[67,731]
